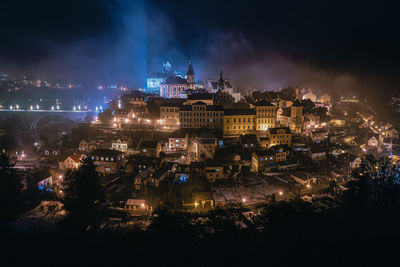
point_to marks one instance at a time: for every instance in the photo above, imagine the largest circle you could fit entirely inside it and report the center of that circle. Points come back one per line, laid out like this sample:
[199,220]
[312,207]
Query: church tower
[190,77]
[296,117]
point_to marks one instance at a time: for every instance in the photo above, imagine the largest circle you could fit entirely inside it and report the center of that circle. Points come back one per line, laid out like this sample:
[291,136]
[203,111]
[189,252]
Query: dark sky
[330,45]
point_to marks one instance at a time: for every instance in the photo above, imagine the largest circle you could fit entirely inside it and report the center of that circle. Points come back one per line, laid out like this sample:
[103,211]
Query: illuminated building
[265,115]
[169,115]
[296,117]
[72,162]
[120,145]
[107,161]
[174,86]
[201,115]
[317,153]
[149,148]
[203,97]
[262,160]
[177,142]
[205,146]
[239,121]
[222,85]
[279,136]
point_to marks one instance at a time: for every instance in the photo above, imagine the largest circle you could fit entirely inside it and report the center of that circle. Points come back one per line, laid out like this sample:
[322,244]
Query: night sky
[330,45]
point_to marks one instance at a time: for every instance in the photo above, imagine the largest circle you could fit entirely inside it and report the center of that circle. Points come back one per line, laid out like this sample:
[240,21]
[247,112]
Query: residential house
[304,178]
[319,135]
[279,136]
[317,153]
[248,141]
[72,162]
[149,148]
[262,160]
[107,161]
[216,171]
[177,141]
[205,145]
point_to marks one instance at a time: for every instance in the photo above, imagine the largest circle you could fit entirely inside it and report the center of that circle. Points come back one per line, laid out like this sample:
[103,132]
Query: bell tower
[190,76]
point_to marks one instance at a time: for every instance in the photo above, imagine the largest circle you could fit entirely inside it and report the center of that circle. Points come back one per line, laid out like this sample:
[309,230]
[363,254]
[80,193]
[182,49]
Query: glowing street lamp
[243,200]
[280,193]
[196,204]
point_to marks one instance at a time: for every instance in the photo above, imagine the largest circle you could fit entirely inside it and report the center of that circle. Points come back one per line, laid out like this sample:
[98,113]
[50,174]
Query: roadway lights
[308,186]
[243,200]
[196,204]
[280,193]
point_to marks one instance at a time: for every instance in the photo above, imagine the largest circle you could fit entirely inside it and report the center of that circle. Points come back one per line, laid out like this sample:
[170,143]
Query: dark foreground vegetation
[357,227]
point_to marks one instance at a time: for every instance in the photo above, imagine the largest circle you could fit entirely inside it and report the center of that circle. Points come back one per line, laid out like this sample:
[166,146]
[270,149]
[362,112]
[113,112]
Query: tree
[10,190]
[83,194]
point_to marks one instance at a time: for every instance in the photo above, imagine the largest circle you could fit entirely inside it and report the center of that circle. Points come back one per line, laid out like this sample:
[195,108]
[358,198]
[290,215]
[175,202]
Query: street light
[280,193]
[196,204]
[243,200]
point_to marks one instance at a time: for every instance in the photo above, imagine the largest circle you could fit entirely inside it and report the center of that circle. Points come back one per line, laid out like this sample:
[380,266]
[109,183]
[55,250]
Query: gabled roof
[76,157]
[175,80]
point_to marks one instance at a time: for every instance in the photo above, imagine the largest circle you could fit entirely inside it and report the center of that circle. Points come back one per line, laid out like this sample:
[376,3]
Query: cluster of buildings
[212,132]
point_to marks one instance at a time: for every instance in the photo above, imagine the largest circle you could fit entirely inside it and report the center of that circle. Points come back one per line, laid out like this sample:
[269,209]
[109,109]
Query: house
[317,153]
[177,141]
[219,200]
[72,162]
[169,115]
[138,206]
[319,135]
[87,146]
[264,141]
[137,163]
[205,145]
[281,152]
[311,121]
[149,148]
[203,200]
[304,178]
[216,171]
[279,136]
[248,141]
[120,145]
[107,161]
[262,160]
